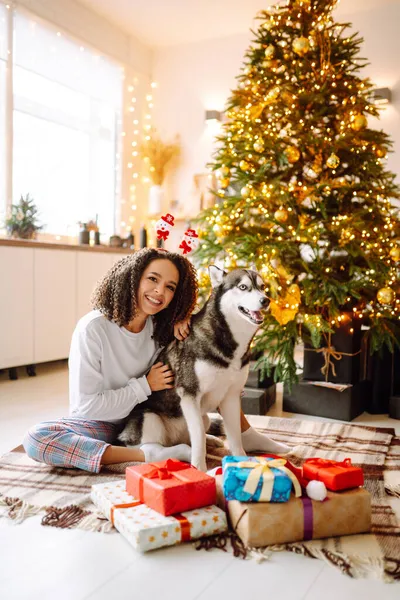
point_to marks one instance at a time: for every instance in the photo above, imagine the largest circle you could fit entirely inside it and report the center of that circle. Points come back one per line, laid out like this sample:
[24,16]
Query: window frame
[11,106]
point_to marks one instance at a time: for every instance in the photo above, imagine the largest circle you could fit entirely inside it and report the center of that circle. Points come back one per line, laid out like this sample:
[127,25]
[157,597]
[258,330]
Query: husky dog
[210,368]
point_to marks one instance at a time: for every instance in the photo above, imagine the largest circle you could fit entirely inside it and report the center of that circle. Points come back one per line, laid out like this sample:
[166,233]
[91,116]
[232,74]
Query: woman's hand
[160,377]
[182,329]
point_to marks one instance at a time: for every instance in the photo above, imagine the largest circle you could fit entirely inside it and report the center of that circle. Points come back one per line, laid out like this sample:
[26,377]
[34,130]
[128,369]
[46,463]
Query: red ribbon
[127,505]
[185,525]
[167,472]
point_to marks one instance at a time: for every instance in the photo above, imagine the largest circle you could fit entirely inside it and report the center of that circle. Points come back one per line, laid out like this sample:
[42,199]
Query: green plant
[23,219]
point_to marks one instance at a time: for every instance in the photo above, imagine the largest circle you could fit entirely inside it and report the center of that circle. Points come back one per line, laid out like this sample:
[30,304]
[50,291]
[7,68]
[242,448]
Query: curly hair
[115,295]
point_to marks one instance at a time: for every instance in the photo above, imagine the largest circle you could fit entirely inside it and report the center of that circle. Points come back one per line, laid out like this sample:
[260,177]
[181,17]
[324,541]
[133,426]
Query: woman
[138,306]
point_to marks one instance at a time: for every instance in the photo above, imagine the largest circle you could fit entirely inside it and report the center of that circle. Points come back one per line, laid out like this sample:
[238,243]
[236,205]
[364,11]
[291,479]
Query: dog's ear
[216,275]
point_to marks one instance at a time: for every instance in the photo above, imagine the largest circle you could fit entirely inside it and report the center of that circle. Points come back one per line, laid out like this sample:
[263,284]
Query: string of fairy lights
[138,129]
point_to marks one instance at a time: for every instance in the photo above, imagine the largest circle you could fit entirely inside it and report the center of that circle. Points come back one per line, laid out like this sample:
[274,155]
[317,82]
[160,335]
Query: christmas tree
[304,194]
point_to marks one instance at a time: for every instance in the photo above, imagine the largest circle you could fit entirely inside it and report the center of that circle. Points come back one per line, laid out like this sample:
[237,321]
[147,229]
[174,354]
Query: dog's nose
[264,302]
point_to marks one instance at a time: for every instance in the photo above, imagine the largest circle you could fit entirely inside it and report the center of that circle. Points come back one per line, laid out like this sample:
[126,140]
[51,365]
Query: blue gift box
[235,478]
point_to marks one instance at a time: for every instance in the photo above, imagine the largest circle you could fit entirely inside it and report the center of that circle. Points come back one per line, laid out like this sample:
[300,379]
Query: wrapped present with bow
[260,524]
[335,475]
[144,528]
[170,486]
[258,479]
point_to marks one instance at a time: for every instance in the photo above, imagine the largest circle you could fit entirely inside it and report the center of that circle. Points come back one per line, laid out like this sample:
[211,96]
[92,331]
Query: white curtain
[67,115]
[3,59]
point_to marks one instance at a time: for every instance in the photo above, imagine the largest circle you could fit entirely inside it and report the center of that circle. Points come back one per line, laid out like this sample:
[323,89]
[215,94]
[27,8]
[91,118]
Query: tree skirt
[62,496]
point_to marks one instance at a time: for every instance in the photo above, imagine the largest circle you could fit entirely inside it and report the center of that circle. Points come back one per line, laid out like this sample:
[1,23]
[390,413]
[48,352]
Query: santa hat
[191,233]
[168,219]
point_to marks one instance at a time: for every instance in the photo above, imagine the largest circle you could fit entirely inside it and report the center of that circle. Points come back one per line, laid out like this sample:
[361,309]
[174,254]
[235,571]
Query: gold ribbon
[329,352]
[262,470]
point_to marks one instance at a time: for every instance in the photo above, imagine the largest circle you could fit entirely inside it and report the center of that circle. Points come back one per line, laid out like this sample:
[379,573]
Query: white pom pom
[316,490]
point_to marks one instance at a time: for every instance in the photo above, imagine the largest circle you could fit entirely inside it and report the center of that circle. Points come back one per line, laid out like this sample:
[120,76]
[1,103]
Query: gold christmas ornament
[285,308]
[395,253]
[244,165]
[281,215]
[224,182]
[245,191]
[301,46]
[386,296]
[224,171]
[358,122]
[257,110]
[270,64]
[292,154]
[269,51]
[258,146]
[380,152]
[333,161]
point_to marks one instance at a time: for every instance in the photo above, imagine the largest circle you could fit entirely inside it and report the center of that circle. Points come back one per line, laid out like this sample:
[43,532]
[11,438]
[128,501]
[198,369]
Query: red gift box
[170,486]
[335,475]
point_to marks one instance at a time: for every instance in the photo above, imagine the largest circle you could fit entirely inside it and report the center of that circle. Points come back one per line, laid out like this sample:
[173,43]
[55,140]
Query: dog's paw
[213,441]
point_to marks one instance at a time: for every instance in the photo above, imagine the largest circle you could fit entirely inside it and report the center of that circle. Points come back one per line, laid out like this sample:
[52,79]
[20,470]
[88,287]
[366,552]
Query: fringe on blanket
[393,489]
[356,567]
[18,510]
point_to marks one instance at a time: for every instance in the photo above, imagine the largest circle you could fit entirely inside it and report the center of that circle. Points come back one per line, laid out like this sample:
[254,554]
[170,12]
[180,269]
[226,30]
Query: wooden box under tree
[339,358]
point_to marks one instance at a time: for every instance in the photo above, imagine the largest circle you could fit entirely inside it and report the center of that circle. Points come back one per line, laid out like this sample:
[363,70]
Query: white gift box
[146,529]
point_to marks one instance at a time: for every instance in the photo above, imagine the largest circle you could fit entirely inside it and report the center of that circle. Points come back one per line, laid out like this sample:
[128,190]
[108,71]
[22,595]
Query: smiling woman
[113,348]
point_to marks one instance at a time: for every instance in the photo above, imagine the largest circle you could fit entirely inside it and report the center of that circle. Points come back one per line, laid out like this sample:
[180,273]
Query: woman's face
[157,286]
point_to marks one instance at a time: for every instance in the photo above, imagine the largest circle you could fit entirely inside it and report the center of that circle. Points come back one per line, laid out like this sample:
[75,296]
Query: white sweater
[107,367]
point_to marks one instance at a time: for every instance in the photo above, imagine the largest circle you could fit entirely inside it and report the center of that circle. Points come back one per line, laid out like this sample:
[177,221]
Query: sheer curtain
[3,59]
[67,111]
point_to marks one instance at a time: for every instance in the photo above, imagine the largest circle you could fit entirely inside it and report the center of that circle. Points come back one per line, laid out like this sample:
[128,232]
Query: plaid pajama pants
[74,443]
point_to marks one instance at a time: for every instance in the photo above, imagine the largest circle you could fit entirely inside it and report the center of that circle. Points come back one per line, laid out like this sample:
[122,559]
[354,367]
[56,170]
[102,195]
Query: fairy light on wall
[131,152]
[147,125]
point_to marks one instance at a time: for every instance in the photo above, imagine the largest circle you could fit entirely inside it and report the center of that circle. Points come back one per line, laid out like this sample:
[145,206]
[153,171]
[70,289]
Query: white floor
[44,563]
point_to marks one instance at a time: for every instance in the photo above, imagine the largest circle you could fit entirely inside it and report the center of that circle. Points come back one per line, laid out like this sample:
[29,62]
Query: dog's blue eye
[242,287]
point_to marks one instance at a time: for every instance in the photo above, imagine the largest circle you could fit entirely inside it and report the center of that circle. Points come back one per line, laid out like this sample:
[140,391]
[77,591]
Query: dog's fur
[210,368]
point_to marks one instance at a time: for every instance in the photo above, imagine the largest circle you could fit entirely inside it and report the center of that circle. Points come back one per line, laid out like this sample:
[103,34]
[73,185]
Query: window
[67,113]
[3,87]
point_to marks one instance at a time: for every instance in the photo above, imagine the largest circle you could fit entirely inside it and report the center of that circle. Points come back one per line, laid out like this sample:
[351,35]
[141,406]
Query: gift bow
[261,470]
[328,464]
[171,467]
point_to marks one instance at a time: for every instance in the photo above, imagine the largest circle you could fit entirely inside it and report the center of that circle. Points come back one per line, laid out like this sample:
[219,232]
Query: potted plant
[22,221]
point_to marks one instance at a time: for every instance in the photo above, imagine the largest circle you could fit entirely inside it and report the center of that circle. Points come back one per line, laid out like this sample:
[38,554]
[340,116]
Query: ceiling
[161,23]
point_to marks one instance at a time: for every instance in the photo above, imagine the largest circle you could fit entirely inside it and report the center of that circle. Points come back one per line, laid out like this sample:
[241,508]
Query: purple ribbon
[308,518]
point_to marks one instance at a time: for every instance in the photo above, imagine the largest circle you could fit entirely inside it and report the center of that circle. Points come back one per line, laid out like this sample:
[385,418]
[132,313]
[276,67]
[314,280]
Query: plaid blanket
[62,496]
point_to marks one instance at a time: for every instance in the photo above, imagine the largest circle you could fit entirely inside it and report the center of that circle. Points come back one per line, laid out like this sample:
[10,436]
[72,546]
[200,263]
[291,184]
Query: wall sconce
[212,116]
[381,96]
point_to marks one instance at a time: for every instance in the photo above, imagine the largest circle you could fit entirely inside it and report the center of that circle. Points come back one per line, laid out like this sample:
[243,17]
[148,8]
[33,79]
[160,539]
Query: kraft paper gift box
[258,479]
[170,486]
[335,475]
[144,528]
[299,519]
